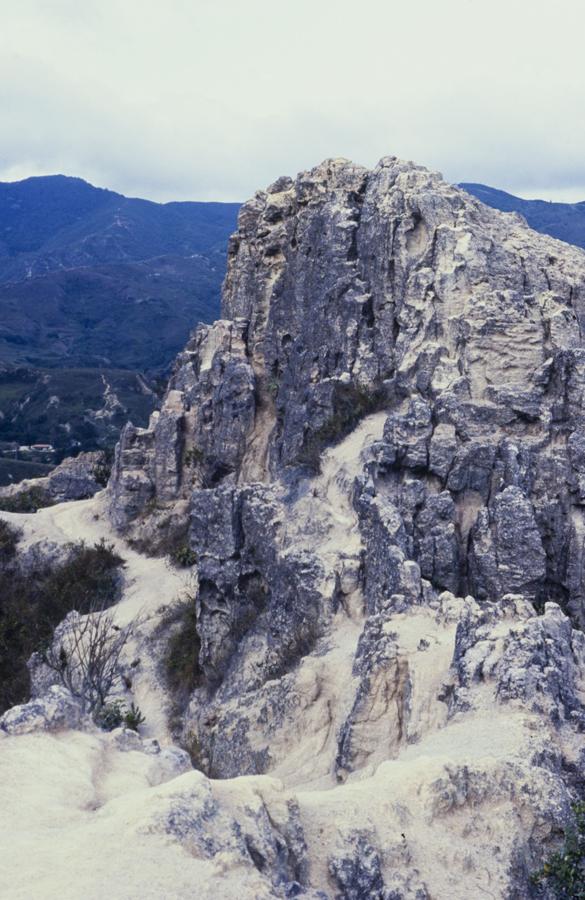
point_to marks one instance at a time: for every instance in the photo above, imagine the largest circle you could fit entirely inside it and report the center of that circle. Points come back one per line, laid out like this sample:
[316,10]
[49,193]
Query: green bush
[88,580]
[103,468]
[113,715]
[9,538]
[193,457]
[110,716]
[564,871]
[29,500]
[133,717]
[184,556]
[32,603]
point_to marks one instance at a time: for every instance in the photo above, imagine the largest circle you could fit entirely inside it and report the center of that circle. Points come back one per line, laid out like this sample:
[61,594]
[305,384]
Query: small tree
[87,657]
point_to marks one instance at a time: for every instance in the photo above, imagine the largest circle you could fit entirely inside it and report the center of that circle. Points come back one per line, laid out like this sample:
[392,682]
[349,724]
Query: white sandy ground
[86,820]
[81,822]
[82,819]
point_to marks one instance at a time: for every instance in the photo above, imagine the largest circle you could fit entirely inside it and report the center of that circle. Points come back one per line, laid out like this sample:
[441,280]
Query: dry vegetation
[33,602]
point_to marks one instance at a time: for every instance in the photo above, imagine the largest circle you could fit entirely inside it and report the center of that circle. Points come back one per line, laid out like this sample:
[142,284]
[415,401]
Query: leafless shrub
[87,656]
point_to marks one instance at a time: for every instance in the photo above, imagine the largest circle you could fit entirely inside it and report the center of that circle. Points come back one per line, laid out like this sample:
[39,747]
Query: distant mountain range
[97,289]
[91,278]
[565,221]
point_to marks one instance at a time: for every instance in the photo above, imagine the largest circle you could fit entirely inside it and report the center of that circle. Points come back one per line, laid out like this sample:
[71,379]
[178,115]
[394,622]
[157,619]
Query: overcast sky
[211,99]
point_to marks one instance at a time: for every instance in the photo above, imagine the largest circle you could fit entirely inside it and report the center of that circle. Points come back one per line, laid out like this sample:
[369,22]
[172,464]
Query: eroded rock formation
[349,290]
[74,479]
[380,452]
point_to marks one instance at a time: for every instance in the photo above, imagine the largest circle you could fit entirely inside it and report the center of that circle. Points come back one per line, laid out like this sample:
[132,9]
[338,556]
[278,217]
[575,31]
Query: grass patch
[168,537]
[9,538]
[27,501]
[181,658]
[183,556]
[33,603]
[351,403]
[564,871]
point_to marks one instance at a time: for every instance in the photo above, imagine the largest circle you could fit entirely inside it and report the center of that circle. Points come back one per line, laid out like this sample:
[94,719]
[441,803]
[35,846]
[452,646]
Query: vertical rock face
[389,418]
[347,289]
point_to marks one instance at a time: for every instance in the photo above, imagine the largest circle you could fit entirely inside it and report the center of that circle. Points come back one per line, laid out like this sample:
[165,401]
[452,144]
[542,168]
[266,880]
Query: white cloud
[202,99]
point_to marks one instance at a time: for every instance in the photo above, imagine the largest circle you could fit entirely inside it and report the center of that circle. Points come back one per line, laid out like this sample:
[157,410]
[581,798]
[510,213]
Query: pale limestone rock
[431,741]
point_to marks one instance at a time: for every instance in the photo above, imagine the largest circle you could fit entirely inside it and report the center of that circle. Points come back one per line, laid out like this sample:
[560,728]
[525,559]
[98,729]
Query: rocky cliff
[379,453]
